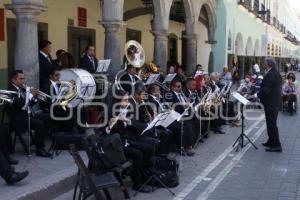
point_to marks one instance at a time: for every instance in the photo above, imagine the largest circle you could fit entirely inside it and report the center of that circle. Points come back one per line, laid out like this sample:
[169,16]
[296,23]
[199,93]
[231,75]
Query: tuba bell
[135,56]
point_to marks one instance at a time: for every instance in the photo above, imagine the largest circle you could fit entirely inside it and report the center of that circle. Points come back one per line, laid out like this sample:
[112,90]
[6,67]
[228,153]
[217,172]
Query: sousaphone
[135,56]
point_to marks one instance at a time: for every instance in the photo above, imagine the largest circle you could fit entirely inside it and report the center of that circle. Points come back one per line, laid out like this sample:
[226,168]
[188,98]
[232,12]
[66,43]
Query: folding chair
[120,169]
[90,184]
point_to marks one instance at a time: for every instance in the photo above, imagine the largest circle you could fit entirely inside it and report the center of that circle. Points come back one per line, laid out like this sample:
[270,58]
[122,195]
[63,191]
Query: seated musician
[140,153]
[17,112]
[8,173]
[215,85]
[129,79]
[190,92]
[179,104]
[52,88]
[289,92]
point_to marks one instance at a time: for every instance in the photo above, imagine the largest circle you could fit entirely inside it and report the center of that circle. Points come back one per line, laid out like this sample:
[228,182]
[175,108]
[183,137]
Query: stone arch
[137,12]
[257,48]
[249,47]
[239,45]
[212,19]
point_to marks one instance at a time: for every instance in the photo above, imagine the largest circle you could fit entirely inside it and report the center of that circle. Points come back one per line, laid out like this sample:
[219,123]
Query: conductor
[270,97]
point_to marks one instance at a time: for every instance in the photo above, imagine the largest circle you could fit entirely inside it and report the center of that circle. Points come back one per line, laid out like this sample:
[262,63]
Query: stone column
[191,52]
[112,47]
[161,48]
[26,50]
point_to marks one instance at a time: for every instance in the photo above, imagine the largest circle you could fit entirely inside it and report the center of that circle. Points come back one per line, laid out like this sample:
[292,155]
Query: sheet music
[169,78]
[163,119]
[200,73]
[240,98]
[152,78]
[103,65]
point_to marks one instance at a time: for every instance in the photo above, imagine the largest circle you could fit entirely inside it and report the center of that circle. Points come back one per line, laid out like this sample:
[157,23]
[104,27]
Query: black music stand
[154,177]
[240,139]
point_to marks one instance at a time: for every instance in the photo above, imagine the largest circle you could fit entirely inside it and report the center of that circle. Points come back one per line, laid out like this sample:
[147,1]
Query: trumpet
[41,95]
[4,96]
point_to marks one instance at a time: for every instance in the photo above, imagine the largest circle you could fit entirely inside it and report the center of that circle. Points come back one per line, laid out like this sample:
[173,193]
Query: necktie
[181,99]
[93,63]
[49,60]
[132,79]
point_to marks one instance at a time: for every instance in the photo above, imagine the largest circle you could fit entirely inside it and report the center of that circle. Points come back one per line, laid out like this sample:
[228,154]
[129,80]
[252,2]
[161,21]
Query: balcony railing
[246,3]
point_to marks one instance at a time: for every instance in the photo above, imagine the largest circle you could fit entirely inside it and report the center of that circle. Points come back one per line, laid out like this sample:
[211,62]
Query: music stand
[152,79]
[164,120]
[240,139]
[103,66]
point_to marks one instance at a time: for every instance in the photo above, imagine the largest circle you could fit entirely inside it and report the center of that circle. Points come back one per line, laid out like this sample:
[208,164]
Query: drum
[85,83]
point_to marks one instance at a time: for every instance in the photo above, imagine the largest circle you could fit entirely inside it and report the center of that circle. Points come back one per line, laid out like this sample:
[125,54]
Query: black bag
[107,152]
[166,170]
[164,163]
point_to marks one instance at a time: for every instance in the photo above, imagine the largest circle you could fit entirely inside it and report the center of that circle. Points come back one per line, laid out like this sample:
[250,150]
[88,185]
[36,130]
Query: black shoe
[145,189]
[219,132]
[16,177]
[42,153]
[274,149]
[266,144]
[12,161]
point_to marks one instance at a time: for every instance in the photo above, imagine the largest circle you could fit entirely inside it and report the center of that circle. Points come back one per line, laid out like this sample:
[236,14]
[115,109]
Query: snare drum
[85,83]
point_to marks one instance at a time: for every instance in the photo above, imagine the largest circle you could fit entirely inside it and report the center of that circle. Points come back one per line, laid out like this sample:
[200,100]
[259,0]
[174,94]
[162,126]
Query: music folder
[152,78]
[163,119]
[240,98]
[103,66]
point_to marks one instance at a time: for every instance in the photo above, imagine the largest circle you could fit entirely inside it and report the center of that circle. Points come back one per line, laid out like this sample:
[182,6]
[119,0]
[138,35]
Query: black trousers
[271,119]
[187,137]
[290,99]
[163,135]
[5,141]
[5,169]
[136,156]
[36,125]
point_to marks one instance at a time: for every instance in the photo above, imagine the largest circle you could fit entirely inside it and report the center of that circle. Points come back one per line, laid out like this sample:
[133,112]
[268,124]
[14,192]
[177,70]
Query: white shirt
[256,68]
[55,86]
[46,56]
[157,100]
[180,97]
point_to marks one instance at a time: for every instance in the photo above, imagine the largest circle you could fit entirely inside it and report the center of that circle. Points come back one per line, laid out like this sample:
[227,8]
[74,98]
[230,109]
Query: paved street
[218,172]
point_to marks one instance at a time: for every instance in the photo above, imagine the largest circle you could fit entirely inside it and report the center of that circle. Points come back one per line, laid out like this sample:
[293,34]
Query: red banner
[1,24]
[82,17]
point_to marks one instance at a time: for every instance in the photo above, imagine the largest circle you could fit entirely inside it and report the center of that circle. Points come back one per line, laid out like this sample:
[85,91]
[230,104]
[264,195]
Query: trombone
[41,95]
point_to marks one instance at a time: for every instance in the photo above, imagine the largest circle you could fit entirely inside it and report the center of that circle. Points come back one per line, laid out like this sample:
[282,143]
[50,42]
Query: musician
[17,113]
[45,61]
[179,104]
[89,61]
[270,97]
[214,84]
[289,92]
[52,88]
[139,153]
[58,53]
[8,173]
[129,79]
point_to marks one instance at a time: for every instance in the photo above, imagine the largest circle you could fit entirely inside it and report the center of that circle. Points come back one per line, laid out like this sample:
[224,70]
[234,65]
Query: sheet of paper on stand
[103,65]
[152,78]
[163,119]
[240,98]
[169,78]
